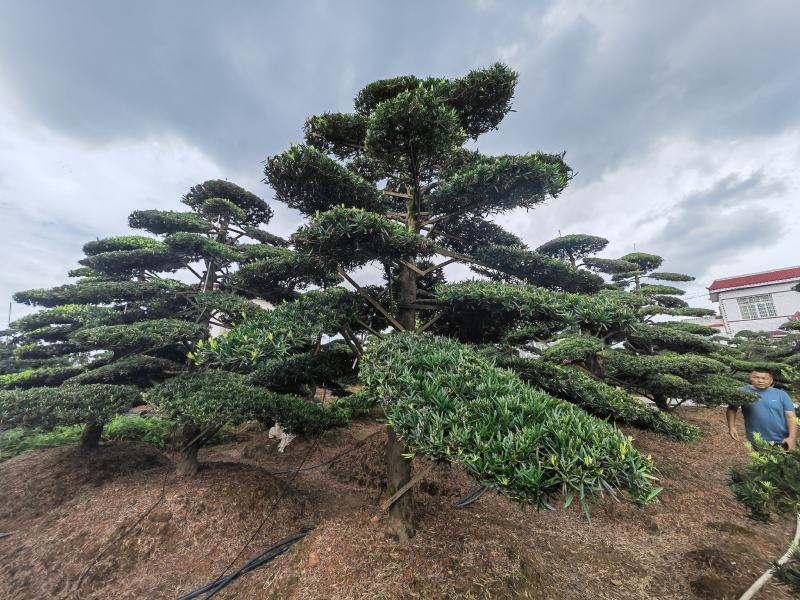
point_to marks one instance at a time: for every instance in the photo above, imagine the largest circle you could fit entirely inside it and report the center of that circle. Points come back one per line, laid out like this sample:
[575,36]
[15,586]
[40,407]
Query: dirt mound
[694,543]
[36,482]
[193,532]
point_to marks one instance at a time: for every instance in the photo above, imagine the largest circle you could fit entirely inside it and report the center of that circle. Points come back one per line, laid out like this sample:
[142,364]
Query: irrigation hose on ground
[759,583]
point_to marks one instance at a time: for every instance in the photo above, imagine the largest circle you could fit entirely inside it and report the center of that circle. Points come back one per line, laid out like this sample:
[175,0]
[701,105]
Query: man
[772,415]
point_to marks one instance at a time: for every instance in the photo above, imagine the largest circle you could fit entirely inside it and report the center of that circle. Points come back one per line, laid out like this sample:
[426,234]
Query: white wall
[786,300]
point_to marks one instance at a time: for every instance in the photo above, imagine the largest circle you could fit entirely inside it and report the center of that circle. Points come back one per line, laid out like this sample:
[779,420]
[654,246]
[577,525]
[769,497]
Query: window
[757,307]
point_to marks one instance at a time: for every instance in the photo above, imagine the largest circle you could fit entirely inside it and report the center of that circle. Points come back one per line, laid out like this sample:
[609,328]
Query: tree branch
[377,305]
[377,334]
[431,322]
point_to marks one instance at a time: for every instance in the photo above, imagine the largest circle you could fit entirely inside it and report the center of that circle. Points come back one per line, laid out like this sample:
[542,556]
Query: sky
[681,119]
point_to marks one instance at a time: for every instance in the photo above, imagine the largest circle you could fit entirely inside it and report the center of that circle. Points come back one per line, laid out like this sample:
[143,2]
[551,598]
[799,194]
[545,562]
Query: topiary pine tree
[668,362]
[392,185]
[127,324]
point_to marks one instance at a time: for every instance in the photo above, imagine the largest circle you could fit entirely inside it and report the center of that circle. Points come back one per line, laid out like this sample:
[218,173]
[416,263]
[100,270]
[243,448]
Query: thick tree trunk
[187,465]
[400,524]
[90,438]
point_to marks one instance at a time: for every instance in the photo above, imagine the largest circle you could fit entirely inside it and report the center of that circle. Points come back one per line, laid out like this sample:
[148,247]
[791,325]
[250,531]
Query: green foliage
[213,397]
[789,572]
[609,265]
[66,405]
[770,483]
[668,301]
[413,131]
[168,221]
[676,312]
[651,288]
[42,377]
[205,196]
[20,440]
[265,237]
[791,326]
[694,328]
[101,292]
[120,243]
[447,402]
[481,98]
[219,208]
[485,312]
[352,237]
[502,183]
[535,269]
[646,262]
[621,363]
[326,367]
[290,328]
[358,404]
[138,370]
[307,180]
[664,276]
[573,247]
[653,339]
[151,430]
[194,246]
[465,234]
[67,314]
[574,348]
[141,336]
[280,274]
[595,397]
[128,263]
[339,134]
[228,308]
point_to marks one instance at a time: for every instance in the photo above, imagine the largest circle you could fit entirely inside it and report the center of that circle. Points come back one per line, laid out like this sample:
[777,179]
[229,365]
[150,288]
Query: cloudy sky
[681,118]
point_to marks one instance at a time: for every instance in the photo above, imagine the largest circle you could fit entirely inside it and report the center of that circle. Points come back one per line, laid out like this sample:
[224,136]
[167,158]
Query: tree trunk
[661,402]
[400,524]
[90,438]
[186,465]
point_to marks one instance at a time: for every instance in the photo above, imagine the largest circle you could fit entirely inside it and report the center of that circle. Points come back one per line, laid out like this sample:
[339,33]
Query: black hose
[265,557]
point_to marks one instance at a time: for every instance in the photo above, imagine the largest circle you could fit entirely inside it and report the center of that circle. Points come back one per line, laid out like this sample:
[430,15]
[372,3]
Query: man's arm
[791,422]
[730,417]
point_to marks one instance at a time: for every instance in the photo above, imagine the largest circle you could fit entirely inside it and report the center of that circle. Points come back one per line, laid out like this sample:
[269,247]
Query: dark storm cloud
[730,217]
[238,79]
[231,83]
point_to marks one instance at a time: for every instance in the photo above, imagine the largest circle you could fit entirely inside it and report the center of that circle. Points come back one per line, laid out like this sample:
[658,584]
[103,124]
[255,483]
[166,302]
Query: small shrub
[14,442]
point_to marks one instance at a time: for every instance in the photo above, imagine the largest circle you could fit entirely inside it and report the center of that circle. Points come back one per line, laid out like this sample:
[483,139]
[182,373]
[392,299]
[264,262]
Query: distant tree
[122,324]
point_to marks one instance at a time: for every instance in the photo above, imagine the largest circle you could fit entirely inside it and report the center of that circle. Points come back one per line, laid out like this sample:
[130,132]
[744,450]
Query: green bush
[596,397]
[151,430]
[206,398]
[48,408]
[447,402]
[770,483]
[16,441]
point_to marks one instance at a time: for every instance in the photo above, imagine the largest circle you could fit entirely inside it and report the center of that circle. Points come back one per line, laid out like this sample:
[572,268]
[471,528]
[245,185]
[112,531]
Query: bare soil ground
[65,509]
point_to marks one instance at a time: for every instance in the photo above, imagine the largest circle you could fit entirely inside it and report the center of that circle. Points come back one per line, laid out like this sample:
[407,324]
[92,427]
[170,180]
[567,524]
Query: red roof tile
[756,278]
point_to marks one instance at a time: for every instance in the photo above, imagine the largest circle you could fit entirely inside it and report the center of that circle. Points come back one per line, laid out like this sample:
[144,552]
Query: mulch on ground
[64,508]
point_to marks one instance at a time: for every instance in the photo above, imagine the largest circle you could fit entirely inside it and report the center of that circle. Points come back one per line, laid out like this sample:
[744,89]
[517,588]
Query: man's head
[760,380]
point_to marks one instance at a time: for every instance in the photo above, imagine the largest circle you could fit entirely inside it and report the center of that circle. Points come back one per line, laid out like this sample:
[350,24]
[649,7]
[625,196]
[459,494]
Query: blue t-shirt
[766,415]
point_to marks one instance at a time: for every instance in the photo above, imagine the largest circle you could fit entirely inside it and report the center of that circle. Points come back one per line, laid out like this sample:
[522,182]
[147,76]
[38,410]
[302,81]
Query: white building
[758,301]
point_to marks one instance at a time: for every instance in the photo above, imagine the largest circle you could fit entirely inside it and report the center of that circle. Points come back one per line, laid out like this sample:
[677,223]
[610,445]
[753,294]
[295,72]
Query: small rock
[616,582]
[313,560]
[375,520]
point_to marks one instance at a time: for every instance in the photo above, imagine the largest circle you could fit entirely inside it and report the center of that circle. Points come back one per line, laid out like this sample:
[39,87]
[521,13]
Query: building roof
[755,279]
